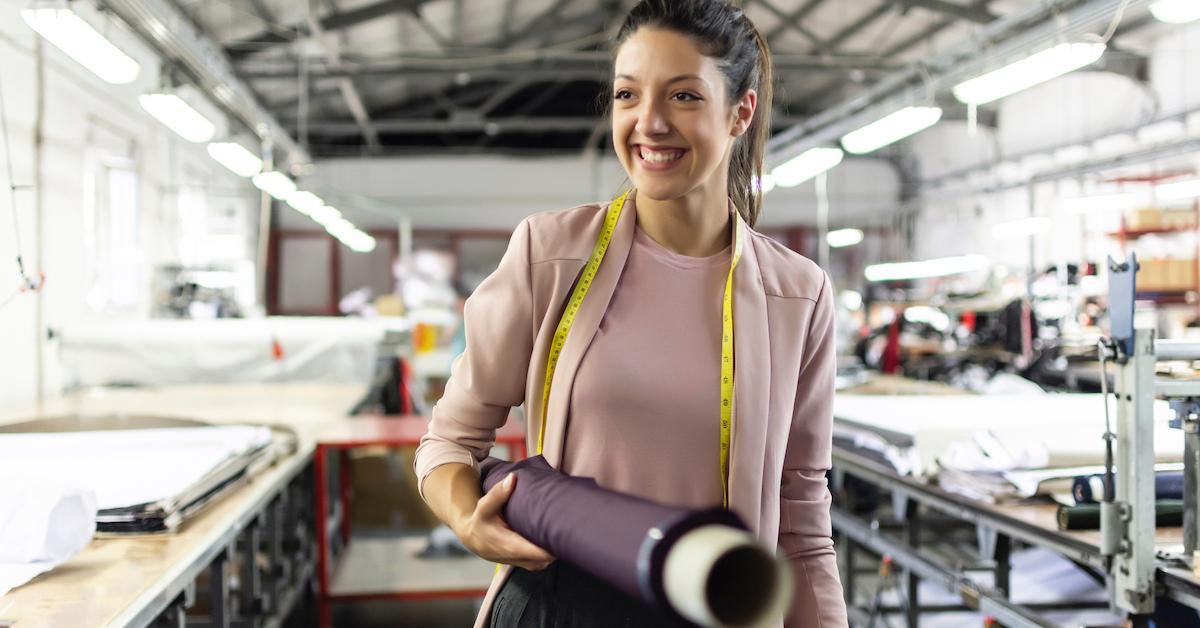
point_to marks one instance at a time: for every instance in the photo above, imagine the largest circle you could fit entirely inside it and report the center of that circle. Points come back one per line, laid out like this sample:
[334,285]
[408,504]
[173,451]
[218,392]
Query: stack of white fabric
[42,525]
[127,468]
[1001,446]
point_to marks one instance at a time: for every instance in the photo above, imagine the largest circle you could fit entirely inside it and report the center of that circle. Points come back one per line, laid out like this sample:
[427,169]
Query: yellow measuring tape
[581,290]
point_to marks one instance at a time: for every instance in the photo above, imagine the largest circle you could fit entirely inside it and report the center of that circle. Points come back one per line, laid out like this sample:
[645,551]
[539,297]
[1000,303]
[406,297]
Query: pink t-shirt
[632,410]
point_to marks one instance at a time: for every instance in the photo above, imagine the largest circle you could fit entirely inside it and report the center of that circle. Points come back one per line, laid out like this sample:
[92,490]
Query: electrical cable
[1116,21]
[27,283]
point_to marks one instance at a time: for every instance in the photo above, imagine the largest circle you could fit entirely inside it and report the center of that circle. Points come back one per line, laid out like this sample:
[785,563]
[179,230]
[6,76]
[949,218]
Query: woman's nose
[651,120]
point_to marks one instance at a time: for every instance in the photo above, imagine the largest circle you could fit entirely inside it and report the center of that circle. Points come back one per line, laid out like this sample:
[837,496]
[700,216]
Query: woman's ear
[743,112]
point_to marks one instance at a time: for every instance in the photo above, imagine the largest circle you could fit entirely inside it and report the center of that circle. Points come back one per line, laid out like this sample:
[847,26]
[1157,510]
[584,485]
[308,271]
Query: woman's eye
[622,94]
[686,97]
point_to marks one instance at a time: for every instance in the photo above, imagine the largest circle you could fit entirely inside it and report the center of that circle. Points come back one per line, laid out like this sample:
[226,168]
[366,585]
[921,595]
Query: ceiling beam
[350,93]
[469,124]
[585,64]
[266,39]
[792,19]
[858,25]
[793,24]
[979,15]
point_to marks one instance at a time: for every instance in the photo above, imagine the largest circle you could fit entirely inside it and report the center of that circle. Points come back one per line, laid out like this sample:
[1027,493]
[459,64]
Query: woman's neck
[695,225]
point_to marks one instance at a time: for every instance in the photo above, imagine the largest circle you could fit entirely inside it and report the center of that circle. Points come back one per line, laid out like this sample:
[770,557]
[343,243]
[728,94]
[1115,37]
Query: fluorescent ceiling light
[1175,11]
[1032,70]
[1162,131]
[336,226]
[764,184]
[939,267]
[1021,228]
[304,202]
[1178,190]
[179,116]
[1072,154]
[843,237]
[236,158]
[326,217]
[71,34]
[274,183]
[806,165]
[358,241]
[1119,201]
[891,128]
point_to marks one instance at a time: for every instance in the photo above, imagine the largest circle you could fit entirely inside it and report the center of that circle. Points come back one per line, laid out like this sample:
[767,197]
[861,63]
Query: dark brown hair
[721,31]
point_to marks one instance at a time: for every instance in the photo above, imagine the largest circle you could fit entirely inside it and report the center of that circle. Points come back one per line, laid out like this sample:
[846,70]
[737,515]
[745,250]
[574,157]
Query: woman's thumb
[495,499]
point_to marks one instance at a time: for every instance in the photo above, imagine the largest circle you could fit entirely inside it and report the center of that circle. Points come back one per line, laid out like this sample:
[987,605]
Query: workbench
[895,530]
[171,578]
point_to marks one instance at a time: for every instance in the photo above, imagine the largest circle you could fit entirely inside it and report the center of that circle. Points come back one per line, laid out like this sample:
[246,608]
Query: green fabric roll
[1167,513]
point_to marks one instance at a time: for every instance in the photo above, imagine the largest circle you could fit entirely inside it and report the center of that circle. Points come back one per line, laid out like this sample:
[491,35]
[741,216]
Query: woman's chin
[658,190]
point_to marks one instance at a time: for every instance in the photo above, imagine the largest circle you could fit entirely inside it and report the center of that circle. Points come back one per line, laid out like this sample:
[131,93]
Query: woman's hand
[485,532]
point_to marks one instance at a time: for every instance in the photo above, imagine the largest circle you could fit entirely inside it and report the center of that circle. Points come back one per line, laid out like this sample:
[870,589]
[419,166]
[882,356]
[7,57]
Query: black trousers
[563,596]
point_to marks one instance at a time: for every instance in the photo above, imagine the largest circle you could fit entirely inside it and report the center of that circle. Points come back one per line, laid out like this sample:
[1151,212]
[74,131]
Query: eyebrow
[681,77]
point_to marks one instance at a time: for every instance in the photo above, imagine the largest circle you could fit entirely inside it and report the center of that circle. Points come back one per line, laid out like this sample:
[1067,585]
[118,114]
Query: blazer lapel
[587,321]
[751,386]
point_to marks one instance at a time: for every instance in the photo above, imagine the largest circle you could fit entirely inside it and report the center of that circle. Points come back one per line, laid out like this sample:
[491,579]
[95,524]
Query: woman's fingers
[492,503]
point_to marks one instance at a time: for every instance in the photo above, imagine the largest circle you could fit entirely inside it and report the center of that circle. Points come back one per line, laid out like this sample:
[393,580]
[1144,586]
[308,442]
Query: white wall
[85,120]
[497,192]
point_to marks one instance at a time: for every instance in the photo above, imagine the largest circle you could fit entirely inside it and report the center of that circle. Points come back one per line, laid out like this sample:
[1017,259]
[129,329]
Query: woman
[636,397]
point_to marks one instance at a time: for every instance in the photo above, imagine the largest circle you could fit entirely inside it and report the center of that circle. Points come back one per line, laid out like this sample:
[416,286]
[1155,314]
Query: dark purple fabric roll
[618,538]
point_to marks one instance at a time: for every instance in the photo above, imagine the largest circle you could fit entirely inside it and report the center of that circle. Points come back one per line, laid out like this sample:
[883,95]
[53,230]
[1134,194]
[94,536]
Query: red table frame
[368,431]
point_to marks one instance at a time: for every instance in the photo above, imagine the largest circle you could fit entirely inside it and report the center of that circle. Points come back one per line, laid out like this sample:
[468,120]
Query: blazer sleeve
[805,531]
[488,379]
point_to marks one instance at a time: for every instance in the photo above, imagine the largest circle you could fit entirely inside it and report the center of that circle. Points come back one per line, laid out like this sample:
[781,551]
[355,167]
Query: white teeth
[657,157]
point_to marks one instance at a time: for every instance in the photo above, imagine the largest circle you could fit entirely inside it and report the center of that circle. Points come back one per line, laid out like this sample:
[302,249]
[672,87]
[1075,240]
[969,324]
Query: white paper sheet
[128,467]
[42,525]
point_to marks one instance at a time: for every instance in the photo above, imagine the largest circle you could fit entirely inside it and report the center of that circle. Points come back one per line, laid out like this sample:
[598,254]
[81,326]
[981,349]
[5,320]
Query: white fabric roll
[41,527]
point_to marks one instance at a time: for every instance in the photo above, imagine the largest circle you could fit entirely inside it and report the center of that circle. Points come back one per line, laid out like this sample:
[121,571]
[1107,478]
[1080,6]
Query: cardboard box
[385,490]
[1179,219]
[1144,219]
[1163,275]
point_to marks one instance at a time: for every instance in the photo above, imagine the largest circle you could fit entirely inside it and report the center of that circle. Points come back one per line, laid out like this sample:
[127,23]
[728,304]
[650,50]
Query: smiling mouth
[659,156]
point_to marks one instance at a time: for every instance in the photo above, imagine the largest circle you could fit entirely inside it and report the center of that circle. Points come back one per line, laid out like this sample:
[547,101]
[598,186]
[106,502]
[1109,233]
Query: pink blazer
[783,388]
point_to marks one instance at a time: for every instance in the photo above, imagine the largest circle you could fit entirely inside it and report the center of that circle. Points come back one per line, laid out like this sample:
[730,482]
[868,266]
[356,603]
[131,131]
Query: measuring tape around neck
[572,310]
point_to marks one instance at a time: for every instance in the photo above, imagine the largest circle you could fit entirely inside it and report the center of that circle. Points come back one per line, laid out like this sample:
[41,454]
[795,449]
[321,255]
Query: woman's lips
[656,162]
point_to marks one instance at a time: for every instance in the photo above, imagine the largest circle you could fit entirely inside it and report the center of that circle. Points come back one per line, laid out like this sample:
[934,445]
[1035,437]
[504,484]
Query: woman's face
[673,125]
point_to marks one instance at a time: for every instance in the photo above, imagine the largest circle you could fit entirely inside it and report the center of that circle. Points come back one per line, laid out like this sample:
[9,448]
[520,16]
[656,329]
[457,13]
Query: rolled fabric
[1167,513]
[1088,489]
[702,566]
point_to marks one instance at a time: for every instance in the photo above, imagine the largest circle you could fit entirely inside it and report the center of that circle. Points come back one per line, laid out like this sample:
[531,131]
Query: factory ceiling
[386,77]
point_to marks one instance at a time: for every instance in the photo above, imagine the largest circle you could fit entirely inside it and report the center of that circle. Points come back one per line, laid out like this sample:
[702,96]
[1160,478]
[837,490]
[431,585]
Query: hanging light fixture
[68,32]
[1175,11]
[939,267]
[236,158]
[806,165]
[275,183]
[179,116]
[841,238]
[890,129]
[1032,70]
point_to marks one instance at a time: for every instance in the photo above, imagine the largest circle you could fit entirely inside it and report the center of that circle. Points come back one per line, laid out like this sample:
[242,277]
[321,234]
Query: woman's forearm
[451,491]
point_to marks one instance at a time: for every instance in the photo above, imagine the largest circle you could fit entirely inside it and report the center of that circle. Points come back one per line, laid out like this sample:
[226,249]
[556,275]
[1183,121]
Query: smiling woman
[633,382]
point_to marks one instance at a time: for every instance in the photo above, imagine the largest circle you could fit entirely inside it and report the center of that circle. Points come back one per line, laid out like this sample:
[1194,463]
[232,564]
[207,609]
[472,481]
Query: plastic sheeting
[279,349]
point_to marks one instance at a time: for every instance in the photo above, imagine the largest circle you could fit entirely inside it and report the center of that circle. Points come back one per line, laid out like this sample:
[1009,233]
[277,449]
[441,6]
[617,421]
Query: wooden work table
[120,581]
